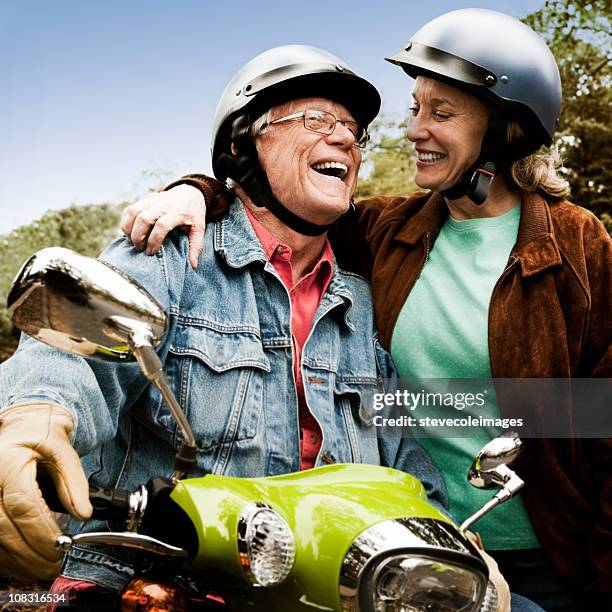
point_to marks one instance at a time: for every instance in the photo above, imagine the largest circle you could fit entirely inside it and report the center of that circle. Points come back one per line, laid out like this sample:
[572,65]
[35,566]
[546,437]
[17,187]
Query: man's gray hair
[261,124]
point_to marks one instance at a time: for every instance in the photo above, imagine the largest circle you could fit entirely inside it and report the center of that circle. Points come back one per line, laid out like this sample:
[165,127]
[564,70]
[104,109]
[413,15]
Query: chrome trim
[422,533]
[138,504]
[125,539]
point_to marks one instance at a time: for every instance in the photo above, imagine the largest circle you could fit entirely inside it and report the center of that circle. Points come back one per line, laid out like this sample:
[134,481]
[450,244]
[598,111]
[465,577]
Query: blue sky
[95,94]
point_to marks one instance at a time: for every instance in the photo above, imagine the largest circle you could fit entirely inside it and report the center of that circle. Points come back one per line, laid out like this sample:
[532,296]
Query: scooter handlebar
[112,505]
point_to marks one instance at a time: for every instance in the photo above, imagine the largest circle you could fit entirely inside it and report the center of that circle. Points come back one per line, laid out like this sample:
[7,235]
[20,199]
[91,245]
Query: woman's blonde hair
[536,172]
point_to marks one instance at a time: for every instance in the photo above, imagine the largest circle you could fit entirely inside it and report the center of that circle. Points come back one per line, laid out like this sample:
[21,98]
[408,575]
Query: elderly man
[271,350]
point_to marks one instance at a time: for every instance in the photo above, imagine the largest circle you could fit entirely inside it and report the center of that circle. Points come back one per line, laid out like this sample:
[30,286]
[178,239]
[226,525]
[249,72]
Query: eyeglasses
[323,122]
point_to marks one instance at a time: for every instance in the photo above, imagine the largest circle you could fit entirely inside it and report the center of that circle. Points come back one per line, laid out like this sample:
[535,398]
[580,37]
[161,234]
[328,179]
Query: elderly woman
[490,274]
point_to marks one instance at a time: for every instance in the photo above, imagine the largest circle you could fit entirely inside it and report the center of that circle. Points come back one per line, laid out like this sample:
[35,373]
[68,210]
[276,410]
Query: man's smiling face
[313,175]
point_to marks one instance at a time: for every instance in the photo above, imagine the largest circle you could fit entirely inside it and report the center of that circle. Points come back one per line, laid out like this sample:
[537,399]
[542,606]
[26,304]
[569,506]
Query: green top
[442,333]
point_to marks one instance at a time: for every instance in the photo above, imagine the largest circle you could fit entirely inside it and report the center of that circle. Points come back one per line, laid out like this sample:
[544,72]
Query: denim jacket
[228,358]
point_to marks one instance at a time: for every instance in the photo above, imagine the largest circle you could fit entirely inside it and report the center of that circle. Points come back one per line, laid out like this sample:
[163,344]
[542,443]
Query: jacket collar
[235,241]
[429,218]
[536,248]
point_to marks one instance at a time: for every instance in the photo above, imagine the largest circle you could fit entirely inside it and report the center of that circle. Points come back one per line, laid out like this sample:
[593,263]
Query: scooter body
[326,508]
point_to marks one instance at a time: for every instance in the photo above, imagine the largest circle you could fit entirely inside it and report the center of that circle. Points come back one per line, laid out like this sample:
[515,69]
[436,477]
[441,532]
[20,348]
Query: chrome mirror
[504,450]
[83,306]
[491,468]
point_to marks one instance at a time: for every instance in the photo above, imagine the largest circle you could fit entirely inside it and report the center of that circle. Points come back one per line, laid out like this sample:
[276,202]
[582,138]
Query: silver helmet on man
[276,76]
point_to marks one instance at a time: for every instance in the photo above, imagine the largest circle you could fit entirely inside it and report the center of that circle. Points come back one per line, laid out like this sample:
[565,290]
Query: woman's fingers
[147,222]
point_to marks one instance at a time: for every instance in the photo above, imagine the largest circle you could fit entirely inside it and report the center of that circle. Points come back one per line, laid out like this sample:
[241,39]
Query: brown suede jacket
[549,317]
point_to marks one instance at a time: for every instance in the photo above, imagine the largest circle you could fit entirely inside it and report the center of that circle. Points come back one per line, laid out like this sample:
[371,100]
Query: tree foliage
[579,33]
[85,229]
[388,163]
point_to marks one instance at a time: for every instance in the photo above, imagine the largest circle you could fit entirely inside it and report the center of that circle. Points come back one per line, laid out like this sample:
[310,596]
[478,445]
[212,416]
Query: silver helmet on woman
[501,60]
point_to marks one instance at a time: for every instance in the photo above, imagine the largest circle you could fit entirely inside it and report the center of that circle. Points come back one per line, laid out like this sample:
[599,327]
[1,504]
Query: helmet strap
[244,168]
[477,180]
[475,183]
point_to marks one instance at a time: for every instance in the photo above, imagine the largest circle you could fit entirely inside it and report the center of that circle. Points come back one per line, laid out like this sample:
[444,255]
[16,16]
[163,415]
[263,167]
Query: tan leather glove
[34,433]
[495,576]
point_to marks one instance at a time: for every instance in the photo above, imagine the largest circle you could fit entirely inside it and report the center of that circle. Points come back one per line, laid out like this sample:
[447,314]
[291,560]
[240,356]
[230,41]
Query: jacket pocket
[359,392]
[217,374]
[354,413]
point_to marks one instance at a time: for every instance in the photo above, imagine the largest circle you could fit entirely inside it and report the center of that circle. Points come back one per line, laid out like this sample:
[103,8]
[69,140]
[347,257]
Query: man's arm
[52,404]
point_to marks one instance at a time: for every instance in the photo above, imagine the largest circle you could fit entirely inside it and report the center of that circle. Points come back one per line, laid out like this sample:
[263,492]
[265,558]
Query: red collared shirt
[305,296]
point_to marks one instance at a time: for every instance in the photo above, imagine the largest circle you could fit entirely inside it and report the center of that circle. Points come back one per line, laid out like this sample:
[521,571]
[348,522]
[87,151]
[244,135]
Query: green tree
[85,229]
[579,33]
[388,164]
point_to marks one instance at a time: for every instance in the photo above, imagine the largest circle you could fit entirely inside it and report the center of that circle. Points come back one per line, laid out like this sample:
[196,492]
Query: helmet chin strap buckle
[475,183]
[481,181]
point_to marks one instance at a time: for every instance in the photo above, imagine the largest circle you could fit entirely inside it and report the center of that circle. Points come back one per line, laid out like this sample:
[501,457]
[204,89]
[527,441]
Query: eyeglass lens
[325,123]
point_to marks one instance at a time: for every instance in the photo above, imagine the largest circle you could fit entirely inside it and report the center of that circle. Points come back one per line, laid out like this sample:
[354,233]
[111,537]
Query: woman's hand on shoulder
[147,222]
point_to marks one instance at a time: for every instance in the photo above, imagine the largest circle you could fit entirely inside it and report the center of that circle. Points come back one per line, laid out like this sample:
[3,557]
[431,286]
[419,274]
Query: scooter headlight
[418,583]
[266,545]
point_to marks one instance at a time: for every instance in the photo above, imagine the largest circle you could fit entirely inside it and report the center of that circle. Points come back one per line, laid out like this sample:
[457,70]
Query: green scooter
[349,537]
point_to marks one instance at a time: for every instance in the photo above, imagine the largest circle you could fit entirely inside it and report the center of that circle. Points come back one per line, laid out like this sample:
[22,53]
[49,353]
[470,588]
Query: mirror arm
[495,501]
[511,484]
[152,367]
[139,337]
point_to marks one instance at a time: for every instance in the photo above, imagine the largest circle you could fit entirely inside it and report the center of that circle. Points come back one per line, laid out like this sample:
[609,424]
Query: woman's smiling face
[447,127]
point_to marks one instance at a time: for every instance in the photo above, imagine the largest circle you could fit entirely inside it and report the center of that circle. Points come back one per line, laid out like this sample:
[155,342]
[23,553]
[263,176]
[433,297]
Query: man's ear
[234,148]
